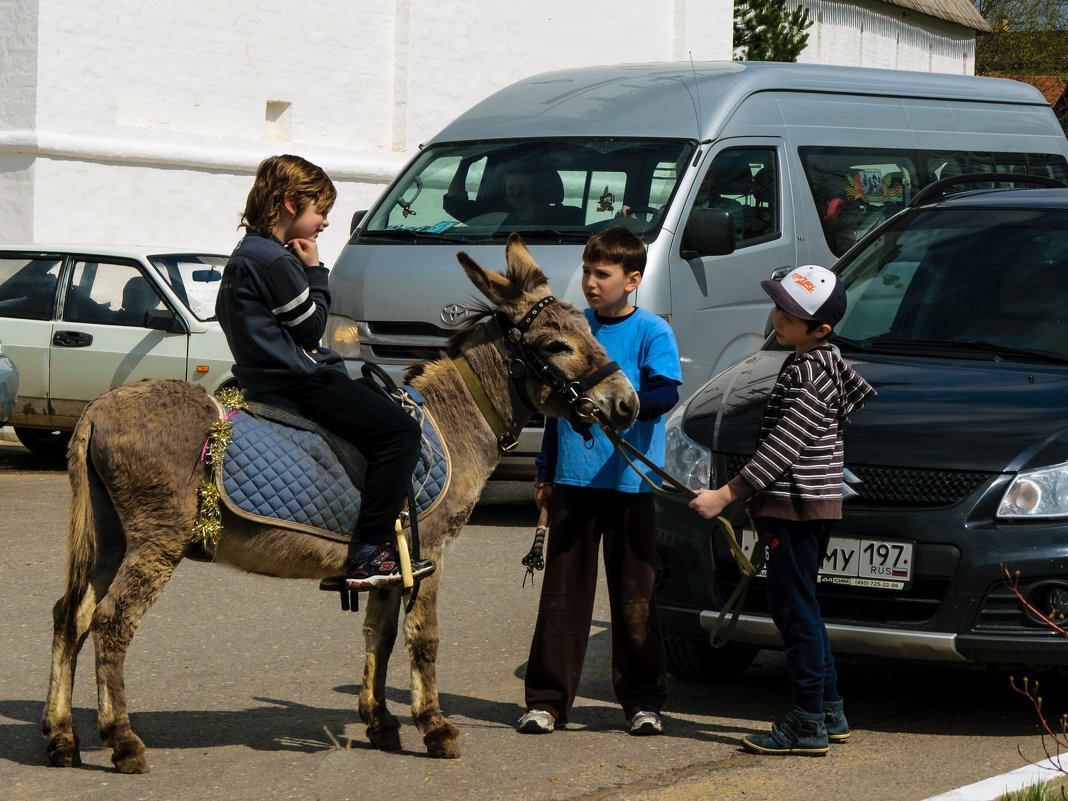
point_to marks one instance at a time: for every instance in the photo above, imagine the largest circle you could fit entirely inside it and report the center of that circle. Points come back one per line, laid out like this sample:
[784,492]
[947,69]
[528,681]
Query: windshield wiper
[412,234]
[548,233]
[998,349]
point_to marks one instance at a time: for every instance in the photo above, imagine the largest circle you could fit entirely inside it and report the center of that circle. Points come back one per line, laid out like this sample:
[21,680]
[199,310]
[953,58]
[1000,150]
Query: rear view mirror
[207,276]
[709,232]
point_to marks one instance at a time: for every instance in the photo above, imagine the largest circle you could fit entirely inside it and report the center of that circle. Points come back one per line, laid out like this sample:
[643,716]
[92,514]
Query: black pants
[385,434]
[795,551]
[580,518]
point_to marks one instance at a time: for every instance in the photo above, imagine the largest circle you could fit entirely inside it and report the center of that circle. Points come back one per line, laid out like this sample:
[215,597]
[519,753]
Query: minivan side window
[856,189]
[28,287]
[745,182]
[113,294]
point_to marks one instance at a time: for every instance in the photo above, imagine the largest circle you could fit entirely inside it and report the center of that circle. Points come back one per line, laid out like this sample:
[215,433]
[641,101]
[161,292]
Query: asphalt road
[245,687]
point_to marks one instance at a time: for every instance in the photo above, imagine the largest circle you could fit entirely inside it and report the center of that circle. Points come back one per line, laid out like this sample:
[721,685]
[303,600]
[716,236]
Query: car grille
[392,346]
[890,486]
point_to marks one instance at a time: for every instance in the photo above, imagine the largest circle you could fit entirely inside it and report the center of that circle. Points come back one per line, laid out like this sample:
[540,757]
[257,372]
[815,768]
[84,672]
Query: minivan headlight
[686,460]
[1037,493]
[342,334]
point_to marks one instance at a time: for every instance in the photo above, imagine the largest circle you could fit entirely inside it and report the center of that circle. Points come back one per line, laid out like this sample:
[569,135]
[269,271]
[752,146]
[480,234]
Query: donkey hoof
[129,757]
[63,752]
[385,739]
[443,742]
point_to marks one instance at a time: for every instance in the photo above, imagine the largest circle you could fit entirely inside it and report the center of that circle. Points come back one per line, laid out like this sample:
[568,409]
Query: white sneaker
[536,721]
[644,723]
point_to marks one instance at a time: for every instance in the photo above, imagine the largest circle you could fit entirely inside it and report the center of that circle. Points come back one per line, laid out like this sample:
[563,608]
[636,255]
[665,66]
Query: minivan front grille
[405,341]
[891,486]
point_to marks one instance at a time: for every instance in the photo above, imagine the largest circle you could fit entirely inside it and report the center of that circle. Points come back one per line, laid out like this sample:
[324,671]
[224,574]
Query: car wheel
[44,442]
[699,661]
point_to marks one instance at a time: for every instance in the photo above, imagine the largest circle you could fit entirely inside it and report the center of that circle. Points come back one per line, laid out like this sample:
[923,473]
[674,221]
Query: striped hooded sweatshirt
[796,471]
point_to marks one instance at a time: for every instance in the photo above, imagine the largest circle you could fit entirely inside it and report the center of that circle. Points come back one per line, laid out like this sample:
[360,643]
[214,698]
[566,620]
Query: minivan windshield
[559,190]
[983,282]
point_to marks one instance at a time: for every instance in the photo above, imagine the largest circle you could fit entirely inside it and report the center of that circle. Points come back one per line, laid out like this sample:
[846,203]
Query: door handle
[71,339]
[781,273]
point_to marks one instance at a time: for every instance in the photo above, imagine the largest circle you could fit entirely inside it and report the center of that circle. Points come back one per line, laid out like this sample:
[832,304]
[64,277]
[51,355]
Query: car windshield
[195,279]
[988,282]
[549,190]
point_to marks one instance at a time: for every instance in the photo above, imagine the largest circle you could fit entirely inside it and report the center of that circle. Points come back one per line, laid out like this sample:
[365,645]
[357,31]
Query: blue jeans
[795,550]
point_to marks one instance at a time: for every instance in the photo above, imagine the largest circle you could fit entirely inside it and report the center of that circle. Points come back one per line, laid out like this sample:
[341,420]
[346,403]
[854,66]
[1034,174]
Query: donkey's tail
[81,535]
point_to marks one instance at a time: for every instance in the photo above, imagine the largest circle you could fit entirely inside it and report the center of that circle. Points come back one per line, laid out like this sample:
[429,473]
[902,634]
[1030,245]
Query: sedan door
[102,340]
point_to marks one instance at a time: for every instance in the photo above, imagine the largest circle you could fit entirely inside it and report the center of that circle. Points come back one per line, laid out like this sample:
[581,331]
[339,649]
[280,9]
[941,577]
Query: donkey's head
[554,354]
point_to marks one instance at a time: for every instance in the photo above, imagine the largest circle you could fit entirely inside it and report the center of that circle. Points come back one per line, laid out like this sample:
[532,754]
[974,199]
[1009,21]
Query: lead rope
[727,619]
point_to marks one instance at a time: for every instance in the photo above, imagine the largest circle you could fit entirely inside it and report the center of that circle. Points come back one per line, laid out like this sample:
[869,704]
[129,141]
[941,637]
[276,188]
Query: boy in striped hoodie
[793,485]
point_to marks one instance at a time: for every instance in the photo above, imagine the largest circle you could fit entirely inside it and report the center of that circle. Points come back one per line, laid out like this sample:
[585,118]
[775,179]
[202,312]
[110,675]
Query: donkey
[134,465]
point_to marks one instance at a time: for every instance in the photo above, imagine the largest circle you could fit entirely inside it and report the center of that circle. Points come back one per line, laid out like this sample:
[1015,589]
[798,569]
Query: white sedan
[80,320]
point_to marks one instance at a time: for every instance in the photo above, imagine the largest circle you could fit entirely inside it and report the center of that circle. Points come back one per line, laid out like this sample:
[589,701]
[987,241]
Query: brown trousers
[581,517]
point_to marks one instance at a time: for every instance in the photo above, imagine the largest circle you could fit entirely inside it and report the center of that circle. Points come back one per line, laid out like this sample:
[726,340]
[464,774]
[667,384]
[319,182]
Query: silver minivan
[728,171]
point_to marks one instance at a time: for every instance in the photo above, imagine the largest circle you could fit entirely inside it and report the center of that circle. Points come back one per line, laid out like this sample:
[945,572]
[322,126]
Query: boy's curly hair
[279,177]
[616,245]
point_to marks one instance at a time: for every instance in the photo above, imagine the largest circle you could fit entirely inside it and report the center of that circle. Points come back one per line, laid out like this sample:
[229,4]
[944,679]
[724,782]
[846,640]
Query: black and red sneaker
[376,566]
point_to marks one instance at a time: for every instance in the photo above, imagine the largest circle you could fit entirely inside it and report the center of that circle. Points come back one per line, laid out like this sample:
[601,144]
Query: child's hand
[709,503]
[306,250]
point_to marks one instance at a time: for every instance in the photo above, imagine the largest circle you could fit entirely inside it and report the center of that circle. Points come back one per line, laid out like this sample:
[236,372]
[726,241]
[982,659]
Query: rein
[728,615]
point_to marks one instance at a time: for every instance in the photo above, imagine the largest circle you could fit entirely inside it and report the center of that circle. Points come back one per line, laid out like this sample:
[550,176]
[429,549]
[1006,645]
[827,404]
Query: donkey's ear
[493,285]
[522,269]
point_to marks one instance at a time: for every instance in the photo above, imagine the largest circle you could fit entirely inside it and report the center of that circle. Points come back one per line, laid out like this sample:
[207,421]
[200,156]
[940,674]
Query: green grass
[1054,790]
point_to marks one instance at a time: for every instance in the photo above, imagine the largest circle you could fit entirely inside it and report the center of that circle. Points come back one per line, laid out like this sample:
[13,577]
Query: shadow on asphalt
[14,456]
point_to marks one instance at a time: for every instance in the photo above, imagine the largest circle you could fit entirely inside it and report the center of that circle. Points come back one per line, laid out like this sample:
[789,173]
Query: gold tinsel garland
[207,527]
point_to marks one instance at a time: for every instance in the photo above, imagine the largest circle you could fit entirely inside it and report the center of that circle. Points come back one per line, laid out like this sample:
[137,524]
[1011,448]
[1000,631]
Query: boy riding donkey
[794,487]
[272,306]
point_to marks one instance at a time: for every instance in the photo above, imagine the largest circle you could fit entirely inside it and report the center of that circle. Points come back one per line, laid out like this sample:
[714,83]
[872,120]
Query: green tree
[1027,39]
[765,30]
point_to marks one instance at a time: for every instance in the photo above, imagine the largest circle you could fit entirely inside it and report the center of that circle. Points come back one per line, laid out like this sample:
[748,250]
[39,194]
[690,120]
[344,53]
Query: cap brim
[783,300]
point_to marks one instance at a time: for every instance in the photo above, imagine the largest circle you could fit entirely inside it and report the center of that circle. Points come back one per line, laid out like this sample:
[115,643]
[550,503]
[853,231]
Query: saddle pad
[291,478]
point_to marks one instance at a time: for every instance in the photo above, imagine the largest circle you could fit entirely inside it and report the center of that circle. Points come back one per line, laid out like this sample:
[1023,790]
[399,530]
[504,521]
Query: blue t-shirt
[644,346]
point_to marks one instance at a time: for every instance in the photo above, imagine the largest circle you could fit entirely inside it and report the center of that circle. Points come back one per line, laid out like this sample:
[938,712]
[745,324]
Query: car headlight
[342,334]
[1037,493]
[686,460]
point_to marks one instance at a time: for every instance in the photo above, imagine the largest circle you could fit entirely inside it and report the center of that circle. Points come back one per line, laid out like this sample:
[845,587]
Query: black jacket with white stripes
[273,310]
[796,471]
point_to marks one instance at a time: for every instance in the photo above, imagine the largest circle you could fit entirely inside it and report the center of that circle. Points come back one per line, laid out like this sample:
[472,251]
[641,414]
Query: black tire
[50,443]
[697,660]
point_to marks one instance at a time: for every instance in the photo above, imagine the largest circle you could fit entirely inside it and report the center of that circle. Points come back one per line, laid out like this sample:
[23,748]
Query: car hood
[930,413]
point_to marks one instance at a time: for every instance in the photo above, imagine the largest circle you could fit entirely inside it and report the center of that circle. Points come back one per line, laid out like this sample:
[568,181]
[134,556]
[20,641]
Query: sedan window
[28,287]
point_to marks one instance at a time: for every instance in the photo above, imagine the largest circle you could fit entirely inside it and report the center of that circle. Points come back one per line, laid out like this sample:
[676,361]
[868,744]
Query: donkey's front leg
[380,634]
[421,628]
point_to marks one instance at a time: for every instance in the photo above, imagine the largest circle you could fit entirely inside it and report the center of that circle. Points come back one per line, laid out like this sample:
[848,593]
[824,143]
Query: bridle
[524,361]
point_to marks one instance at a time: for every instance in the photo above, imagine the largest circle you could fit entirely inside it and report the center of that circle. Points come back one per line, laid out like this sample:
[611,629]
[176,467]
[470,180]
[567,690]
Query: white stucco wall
[866,33]
[144,122]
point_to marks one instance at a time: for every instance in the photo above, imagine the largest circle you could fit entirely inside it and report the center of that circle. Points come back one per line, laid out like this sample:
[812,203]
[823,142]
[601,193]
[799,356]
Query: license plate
[883,564]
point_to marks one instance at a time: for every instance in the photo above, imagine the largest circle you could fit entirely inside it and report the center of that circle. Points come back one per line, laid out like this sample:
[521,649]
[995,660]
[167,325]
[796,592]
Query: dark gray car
[958,315]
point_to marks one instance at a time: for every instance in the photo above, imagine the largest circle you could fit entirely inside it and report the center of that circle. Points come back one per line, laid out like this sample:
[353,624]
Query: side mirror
[163,320]
[357,217]
[709,232]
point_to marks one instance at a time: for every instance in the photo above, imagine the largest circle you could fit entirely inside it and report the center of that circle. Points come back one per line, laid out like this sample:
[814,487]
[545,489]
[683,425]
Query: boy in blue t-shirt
[593,494]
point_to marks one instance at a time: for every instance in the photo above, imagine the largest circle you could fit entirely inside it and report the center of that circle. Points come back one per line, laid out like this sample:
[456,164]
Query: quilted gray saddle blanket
[291,478]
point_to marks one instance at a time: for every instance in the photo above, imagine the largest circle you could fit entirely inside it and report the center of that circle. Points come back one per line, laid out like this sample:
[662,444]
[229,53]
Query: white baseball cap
[810,292]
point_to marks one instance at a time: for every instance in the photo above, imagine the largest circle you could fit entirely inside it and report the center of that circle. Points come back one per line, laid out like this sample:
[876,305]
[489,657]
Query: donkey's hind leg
[138,583]
[57,723]
[441,738]
[380,634]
